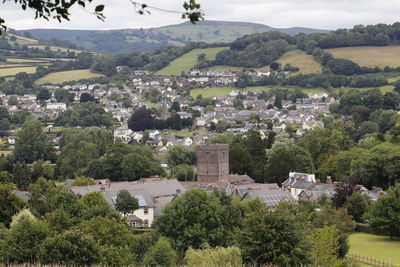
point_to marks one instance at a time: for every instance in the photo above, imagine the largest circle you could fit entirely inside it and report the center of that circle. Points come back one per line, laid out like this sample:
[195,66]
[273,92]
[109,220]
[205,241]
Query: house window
[146,210]
[146,222]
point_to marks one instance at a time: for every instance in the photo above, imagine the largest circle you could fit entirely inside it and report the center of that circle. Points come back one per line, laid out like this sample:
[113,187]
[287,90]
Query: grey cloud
[325,14]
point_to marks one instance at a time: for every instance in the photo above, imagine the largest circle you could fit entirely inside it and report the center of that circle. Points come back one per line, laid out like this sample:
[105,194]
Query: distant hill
[136,40]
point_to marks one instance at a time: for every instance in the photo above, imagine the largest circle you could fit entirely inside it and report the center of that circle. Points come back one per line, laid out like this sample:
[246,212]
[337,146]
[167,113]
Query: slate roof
[210,186]
[156,187]
[271,197]
[243,189]
[143,197]
[25,195]
[240,179]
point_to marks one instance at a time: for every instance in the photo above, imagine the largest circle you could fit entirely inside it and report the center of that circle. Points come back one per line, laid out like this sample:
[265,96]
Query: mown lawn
[369,56]
[211,92]
[66,76]
[189,60]
[378,247]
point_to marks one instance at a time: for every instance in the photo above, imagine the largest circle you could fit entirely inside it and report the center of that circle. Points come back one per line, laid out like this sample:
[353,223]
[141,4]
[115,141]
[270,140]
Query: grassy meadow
[66,76]
[13,71]
[211,92]
[300,59]
[378,247]
[189,60]
[224,91]
[13,65]
[369,56]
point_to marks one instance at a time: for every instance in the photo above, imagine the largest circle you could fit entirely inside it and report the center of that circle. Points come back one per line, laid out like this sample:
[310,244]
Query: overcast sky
[120,14]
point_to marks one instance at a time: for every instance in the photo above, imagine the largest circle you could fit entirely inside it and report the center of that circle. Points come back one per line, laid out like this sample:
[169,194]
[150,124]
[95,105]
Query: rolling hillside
[139,40]
[370,56]
[300,59]
[15,61]
[188,61]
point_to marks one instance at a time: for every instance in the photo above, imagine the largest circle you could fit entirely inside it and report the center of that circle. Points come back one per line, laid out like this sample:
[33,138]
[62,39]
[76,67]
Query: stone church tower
[213,163]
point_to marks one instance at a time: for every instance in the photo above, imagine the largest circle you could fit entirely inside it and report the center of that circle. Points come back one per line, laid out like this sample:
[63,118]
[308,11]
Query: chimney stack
[329,180]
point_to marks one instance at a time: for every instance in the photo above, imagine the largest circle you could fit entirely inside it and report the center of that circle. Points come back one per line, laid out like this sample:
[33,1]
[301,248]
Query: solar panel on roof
[141,201]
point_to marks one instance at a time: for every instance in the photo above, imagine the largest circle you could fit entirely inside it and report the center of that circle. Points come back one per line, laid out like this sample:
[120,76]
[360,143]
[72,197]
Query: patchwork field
[188,61]
[378,247]
[12,71]
[369,56]
[66,76]
[25,60]
[14,65]
[300,59]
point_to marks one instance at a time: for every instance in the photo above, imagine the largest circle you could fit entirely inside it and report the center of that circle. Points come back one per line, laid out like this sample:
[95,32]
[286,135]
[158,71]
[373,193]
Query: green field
[378,247]
[189,60]
[211,92]
[13,71]
[66,76]
[300,59]
[24,60]
[226,68]
[223,91]
[304,90]
[384,88]
[369,56]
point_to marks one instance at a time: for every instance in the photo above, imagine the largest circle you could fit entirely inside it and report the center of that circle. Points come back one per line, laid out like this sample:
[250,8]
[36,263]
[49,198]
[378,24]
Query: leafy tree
[175,106]
[10,204]
[126,203]
[328,216]
[71,247]
[32,143]
[240,161]
[22,176]
[141,120]
[107,231]
[80,181]
[42,192]
[135,166]
[95,205]
[41,168]
[184,172]
[218,256]
[86,97]
[321,142]
[193,219]
[12,101]
[343,191]
[357,204]
[273,237]
[22,242]
[161,254]
[24,213]
[385,213]
[180,154]
[325,246]
[6,178]
[63,95]
[296,158]
[85,114]
[43,95]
